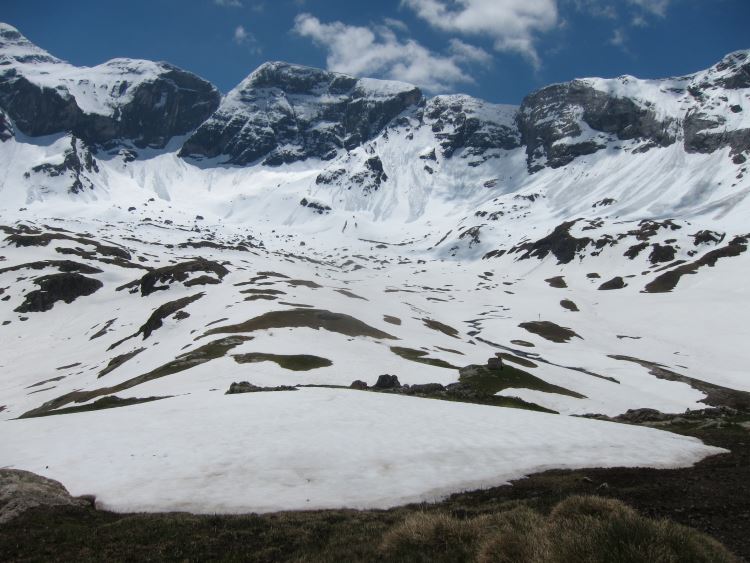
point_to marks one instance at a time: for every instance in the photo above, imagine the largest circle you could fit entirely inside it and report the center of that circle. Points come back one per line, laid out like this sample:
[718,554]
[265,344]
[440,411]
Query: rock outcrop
[124,100]
[463,122]
[564,121]
[284,113]
[23,490]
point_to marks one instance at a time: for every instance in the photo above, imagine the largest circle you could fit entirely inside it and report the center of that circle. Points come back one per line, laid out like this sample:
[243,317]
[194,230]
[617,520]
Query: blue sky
[499,50]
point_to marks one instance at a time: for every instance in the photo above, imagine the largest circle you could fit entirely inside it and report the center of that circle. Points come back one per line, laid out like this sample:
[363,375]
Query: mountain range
[335,253]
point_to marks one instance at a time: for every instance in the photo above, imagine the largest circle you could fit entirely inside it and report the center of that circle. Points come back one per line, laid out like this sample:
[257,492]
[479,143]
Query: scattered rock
[246,387]
[65,287]
[387,382]
[615,283]
[22,490]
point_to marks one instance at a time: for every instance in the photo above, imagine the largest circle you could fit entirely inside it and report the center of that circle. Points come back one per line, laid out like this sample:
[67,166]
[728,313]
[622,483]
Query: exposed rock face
[141,102]
[65,287]
[559,242]
[711,124]
[181,272]
[463,122]
[22,490]
[246,387]
[387,381]
[77,165]
[6,127]
[561,122]
[284,113]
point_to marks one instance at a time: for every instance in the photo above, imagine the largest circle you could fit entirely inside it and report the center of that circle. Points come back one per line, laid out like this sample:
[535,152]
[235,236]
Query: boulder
[23,490]
[387,382]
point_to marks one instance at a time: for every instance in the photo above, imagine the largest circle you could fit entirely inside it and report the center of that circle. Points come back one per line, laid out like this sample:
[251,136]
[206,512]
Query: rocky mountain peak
[15,48]
[284,112]
[122,101]
[732,72]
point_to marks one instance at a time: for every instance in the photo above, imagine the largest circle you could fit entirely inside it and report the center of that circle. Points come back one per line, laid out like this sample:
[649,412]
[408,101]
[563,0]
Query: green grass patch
[101,404]
[491,381]
[309,318]
[419,357]
[206,353]
[550,331]
[440,327]
[294,362]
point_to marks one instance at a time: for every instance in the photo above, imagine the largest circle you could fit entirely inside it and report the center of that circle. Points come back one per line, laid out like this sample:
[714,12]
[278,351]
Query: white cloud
[240,35]
[597,8]
[656,7]
[398,25]
[378,51]
[228,3]
[243,37]
[469,53]
[618,38]
[513,25]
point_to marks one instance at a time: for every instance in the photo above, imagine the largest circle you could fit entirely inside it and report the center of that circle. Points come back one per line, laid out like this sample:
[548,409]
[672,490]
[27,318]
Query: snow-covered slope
[122,100]
[316,229]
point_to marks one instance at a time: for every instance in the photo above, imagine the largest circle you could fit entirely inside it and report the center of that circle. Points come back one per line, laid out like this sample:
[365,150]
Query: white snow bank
[315,448]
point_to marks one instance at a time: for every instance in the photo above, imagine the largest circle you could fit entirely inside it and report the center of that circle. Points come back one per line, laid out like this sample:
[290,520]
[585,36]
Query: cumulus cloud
[395,24]
[656,7]
[618,38]
[240,35]
[243,37]
[513,25]
[379,51]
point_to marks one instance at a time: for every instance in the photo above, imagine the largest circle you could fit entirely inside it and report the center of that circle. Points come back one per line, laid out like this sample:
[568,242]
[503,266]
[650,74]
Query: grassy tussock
[584,529]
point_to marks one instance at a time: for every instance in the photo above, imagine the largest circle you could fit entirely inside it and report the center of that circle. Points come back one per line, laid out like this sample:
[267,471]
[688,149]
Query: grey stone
[22,490]
[387,382]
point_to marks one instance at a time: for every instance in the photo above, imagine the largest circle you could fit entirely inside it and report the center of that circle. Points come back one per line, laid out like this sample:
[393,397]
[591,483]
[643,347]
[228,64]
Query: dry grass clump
[584,529]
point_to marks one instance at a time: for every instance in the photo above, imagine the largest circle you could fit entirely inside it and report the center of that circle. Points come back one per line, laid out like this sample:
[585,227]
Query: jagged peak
[15,47]
[300,79]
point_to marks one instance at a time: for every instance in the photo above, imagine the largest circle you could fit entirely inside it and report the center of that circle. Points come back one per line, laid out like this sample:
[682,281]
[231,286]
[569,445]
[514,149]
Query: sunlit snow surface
[203,451]
[316,448]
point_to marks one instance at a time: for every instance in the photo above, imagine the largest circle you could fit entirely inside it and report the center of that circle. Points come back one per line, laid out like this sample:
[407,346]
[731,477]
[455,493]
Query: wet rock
[557,282]
[387,382]
[662,253]
[149,283]
[495,363]
[707,237]
[65,287]
[569,305]
[319,208]
[635,250]
[642,415]
[329,177]
[156,319]
[246,387]
[559,242]
[424,389]
[615,283]
[23,490]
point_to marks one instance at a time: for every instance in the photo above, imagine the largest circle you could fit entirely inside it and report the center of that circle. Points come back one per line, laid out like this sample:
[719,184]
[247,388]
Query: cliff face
[282,113]
[122,101]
